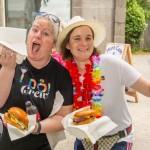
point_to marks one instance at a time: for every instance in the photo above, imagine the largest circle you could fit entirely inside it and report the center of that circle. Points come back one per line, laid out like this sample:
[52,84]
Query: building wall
[147,35]
[20,13]
[146,38]
[120,18]
[2,15]
[110,12]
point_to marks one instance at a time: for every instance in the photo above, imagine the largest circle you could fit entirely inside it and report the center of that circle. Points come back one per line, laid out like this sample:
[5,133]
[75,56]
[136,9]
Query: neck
[39,64]
[81,66]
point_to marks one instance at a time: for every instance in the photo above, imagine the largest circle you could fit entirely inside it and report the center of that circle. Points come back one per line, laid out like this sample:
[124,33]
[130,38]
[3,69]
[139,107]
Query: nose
[38,35]
[83,42]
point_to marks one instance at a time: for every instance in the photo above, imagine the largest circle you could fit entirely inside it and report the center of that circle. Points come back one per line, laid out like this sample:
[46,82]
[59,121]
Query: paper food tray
[94,130]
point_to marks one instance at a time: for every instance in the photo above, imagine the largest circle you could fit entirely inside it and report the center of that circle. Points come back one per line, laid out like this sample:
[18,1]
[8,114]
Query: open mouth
[35,47]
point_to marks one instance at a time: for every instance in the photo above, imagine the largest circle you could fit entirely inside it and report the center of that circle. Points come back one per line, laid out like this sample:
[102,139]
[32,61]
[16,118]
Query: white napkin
[55,137]
[16,133]
[94,130]
[14,38]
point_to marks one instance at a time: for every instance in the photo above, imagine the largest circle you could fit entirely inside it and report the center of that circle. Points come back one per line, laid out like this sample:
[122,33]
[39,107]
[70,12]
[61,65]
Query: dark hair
[66,54]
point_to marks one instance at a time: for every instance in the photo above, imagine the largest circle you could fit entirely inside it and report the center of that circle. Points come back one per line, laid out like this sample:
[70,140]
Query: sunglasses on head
[55,20]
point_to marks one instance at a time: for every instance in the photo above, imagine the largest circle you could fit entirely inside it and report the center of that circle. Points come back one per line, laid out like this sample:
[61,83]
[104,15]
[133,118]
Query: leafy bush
[135,22]
[135,50]
[145,4]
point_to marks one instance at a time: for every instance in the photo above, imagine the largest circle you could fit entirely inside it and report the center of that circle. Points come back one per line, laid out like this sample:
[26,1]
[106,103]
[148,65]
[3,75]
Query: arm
[53,124]
[132,78]
[142,85]
[7,71]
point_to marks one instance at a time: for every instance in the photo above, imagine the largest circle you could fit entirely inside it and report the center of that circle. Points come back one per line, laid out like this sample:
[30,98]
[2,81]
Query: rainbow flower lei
[91,92]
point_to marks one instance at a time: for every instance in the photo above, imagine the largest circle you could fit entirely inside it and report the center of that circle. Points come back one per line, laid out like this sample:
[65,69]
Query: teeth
[35,43]
[83,49]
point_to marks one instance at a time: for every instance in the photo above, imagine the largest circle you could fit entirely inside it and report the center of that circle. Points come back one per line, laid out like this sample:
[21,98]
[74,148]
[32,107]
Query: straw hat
[97,27]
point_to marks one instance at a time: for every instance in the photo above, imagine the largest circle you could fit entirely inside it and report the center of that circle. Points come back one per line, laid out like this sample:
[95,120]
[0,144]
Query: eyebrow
[43,29]
[89,35]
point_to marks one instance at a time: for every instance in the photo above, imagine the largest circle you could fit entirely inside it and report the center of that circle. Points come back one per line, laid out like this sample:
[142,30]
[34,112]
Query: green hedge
[135,22]
[145,4]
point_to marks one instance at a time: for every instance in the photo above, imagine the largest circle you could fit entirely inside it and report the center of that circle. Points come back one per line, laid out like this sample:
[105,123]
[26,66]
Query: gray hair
[55,30]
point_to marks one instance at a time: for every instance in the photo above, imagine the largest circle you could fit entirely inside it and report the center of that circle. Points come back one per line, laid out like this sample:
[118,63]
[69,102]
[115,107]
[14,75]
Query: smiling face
[40,41]
[81,43]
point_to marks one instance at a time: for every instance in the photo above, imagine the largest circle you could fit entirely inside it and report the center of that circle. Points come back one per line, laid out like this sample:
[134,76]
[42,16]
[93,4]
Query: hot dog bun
[17,117]
[84,117]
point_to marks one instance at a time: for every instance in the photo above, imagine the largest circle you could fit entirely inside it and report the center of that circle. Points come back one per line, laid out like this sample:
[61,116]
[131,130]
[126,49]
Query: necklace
[88,92]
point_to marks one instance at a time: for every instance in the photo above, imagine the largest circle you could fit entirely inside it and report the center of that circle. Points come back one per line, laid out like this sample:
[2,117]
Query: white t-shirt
[118,74]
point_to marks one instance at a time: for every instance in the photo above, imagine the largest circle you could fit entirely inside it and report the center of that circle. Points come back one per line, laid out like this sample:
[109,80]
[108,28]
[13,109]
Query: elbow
[1,104]
[149,92]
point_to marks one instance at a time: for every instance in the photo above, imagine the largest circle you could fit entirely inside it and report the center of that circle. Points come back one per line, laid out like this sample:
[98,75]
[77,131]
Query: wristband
[39,129]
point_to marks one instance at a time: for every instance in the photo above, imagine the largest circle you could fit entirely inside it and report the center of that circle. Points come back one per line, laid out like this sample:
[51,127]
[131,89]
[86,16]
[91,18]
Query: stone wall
[146,39]
[147,36]
[2,21]
[120,18]
[110,12]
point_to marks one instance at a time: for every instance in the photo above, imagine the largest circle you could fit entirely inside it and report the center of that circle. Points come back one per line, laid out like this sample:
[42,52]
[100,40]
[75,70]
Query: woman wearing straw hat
[99,81]
[39,79]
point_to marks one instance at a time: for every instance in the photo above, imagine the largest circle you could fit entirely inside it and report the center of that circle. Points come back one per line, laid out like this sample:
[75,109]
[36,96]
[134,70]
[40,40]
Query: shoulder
[58,57]
[55,63]
[113,62]
[57,66]
[110,59]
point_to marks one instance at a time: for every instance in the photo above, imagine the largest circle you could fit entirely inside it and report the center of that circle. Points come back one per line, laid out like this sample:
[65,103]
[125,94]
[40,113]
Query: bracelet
[39,129]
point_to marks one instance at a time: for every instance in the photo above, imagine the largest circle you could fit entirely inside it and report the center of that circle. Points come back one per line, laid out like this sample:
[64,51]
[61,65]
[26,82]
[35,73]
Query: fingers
[3,52]
[7,58]
[6,52]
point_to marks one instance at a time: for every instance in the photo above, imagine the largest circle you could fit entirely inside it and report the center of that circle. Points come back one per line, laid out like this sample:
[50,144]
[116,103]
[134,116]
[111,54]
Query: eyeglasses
[55,20]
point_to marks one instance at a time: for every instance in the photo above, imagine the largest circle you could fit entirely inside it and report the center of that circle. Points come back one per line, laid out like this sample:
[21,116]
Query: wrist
[7,70]
[37,128]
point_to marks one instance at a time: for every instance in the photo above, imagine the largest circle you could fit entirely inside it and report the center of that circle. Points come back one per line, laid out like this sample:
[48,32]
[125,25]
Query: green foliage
[135,22]
[145,49]
[135,49]
[145,4]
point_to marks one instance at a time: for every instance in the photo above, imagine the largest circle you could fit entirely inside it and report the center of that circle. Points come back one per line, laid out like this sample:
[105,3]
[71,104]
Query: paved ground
[140,112]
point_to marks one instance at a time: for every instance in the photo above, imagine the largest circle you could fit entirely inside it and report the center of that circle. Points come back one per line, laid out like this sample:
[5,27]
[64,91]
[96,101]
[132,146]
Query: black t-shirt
[40,86]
